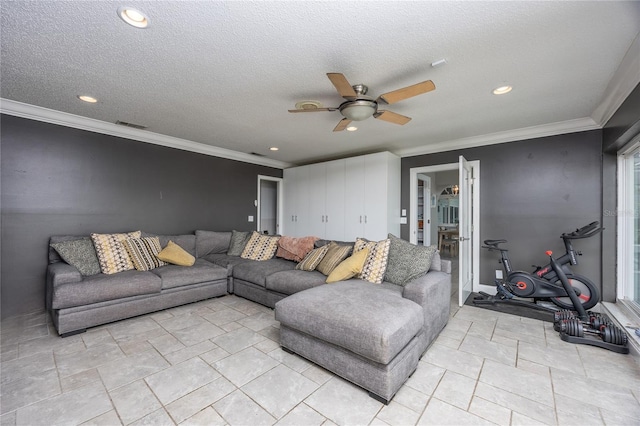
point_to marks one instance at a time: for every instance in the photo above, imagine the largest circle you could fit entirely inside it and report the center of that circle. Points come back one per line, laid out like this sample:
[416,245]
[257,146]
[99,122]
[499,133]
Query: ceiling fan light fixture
[358,110]
[502,90]
[133,17]
[351,129]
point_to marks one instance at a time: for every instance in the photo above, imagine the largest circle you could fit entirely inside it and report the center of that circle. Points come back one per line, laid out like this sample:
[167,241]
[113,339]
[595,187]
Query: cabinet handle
[327,219]
[365,218]
[360,218]
[292,219]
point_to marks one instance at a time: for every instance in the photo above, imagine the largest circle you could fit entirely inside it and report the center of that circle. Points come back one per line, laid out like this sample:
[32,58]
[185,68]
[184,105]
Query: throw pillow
[143,252]
[407,261]
[79,253]
[111,254]
[349,268]
[238,242]
[295,248]
[260,247]
[312,259]
[376,263]
[176,255]
[335,254]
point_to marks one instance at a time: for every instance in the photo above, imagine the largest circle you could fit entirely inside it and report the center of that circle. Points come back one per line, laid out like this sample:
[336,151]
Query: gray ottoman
[366,333]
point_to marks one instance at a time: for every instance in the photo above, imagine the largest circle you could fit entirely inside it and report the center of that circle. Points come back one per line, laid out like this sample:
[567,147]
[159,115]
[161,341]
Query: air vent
[256,154]
[135,126]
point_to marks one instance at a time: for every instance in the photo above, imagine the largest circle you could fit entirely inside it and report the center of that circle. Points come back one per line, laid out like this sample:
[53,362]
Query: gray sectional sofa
[370,334]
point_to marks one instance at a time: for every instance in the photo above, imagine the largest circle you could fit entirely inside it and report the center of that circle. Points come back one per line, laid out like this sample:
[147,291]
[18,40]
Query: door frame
[280,202]
[413,212]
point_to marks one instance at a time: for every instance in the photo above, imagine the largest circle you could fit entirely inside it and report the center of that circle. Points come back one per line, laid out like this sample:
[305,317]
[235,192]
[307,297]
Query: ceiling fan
[358,106]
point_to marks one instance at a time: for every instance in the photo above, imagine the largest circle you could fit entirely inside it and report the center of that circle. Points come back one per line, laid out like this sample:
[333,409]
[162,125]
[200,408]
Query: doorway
[445,205]
[269,204]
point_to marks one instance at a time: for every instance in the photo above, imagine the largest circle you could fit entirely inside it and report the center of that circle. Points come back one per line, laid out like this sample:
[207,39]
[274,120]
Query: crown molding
[47,115]
[625,79]
[563,127]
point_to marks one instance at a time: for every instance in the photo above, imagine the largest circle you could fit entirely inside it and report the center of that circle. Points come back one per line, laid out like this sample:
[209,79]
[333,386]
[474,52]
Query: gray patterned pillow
[79,253]
[238,241]
[407,261]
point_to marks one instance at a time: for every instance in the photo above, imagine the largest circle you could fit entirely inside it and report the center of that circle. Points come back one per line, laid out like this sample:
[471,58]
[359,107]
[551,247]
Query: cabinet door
[302,202]
[375,196]
[354,198]
[290,201]
[316,191]
[335,200]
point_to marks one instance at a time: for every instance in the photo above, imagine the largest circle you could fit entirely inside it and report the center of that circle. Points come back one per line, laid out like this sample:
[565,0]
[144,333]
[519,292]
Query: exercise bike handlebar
[585,232]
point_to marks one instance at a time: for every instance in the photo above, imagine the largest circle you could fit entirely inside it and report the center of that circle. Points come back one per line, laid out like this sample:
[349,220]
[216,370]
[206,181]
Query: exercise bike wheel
[586,290]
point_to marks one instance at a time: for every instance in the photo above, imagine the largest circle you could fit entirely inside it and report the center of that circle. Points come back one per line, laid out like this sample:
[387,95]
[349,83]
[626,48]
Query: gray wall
[531,192]
[59,180]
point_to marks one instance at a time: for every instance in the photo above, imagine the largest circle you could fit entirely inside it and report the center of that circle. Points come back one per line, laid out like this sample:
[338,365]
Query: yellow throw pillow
[176,255]
[349,268]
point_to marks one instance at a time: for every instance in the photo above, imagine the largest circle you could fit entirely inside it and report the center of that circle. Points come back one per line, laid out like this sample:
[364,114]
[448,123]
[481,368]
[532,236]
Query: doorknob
[463,239]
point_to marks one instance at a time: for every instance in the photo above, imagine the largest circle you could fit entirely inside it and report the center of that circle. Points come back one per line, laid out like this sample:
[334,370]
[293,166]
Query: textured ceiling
[224,73]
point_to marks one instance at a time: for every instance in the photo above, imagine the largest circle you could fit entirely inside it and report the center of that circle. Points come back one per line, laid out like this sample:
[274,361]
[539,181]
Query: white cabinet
[372,208]
[296,201]
[344,199]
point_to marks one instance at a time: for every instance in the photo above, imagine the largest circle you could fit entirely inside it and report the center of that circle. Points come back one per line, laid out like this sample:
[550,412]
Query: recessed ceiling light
[86,98]
[502,90]
[351,129]
[274,148]
[133,17]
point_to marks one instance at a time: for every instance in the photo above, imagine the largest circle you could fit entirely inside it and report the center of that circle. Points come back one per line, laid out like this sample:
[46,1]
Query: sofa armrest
[60,273]
[433,293]
[445,266]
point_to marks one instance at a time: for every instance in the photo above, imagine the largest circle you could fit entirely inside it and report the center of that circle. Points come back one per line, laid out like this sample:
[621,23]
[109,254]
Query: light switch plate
[250,218]
[404,213]
[403,221]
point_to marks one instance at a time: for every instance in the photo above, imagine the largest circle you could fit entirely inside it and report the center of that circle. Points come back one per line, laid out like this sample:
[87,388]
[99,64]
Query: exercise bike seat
[494,243]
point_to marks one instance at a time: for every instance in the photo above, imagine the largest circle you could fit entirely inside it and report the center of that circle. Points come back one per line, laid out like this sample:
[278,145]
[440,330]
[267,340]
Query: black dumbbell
[608,333]
[596,320]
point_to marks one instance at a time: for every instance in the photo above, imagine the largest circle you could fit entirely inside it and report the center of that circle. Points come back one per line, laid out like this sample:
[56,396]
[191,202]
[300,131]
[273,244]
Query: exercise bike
[546,283]
[555,282]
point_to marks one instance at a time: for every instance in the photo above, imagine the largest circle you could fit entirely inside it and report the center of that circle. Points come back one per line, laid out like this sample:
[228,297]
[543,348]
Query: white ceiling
[224,73]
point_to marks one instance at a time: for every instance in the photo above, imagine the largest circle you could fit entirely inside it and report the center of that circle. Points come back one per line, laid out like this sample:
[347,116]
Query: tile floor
[219,362]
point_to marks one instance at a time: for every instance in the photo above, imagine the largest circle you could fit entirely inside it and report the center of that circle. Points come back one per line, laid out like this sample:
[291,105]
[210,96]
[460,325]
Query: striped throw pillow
[312,259]
[143,252]
[335,254]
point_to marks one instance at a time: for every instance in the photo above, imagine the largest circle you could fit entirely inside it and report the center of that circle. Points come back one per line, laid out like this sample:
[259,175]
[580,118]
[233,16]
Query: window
[628,214]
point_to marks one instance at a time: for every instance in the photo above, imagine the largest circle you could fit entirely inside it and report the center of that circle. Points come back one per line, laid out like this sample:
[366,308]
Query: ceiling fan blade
[408,92]
[342,85]
[313,109]
[392,117]
[342,125]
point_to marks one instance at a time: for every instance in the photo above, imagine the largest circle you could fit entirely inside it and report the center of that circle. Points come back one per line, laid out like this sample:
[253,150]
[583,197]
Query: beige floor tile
[206,417]
[244,366]
[110,418]
[190,352]
[181,379]
[18,393]
[513,402]
[455,389]
[519,382]
[134,401]
[344,403]
[489,350]
[426,378]
[302,414]
[157,418]
[79,380]
[454,360]
[441,413]
[518,419]
[189,405]
[238,409]
[411,398]
[396,414]
[490,411]
[129,369]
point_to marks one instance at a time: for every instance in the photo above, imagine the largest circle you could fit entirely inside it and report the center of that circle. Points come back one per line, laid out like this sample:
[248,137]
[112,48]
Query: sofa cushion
[257,272]
[295,248]
[407,261]
[226,261]
[376,263]
[201,272]
[237,242]
[111,254]
[176,255]
[79,253]
[290,282]
[260,247]
[349,268]
[143,252]
[211,242]
[102,287]
[367,319]
[336,254]
[313,259]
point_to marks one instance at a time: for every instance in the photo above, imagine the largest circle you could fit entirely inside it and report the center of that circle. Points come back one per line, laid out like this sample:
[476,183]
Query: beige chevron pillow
[376,264]
[112,255]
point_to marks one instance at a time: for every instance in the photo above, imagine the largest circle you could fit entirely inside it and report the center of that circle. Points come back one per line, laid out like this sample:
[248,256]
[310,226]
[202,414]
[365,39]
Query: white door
[354,200]
[465,243]
[375,196]
[290,202]
[335,200]
[317,202]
